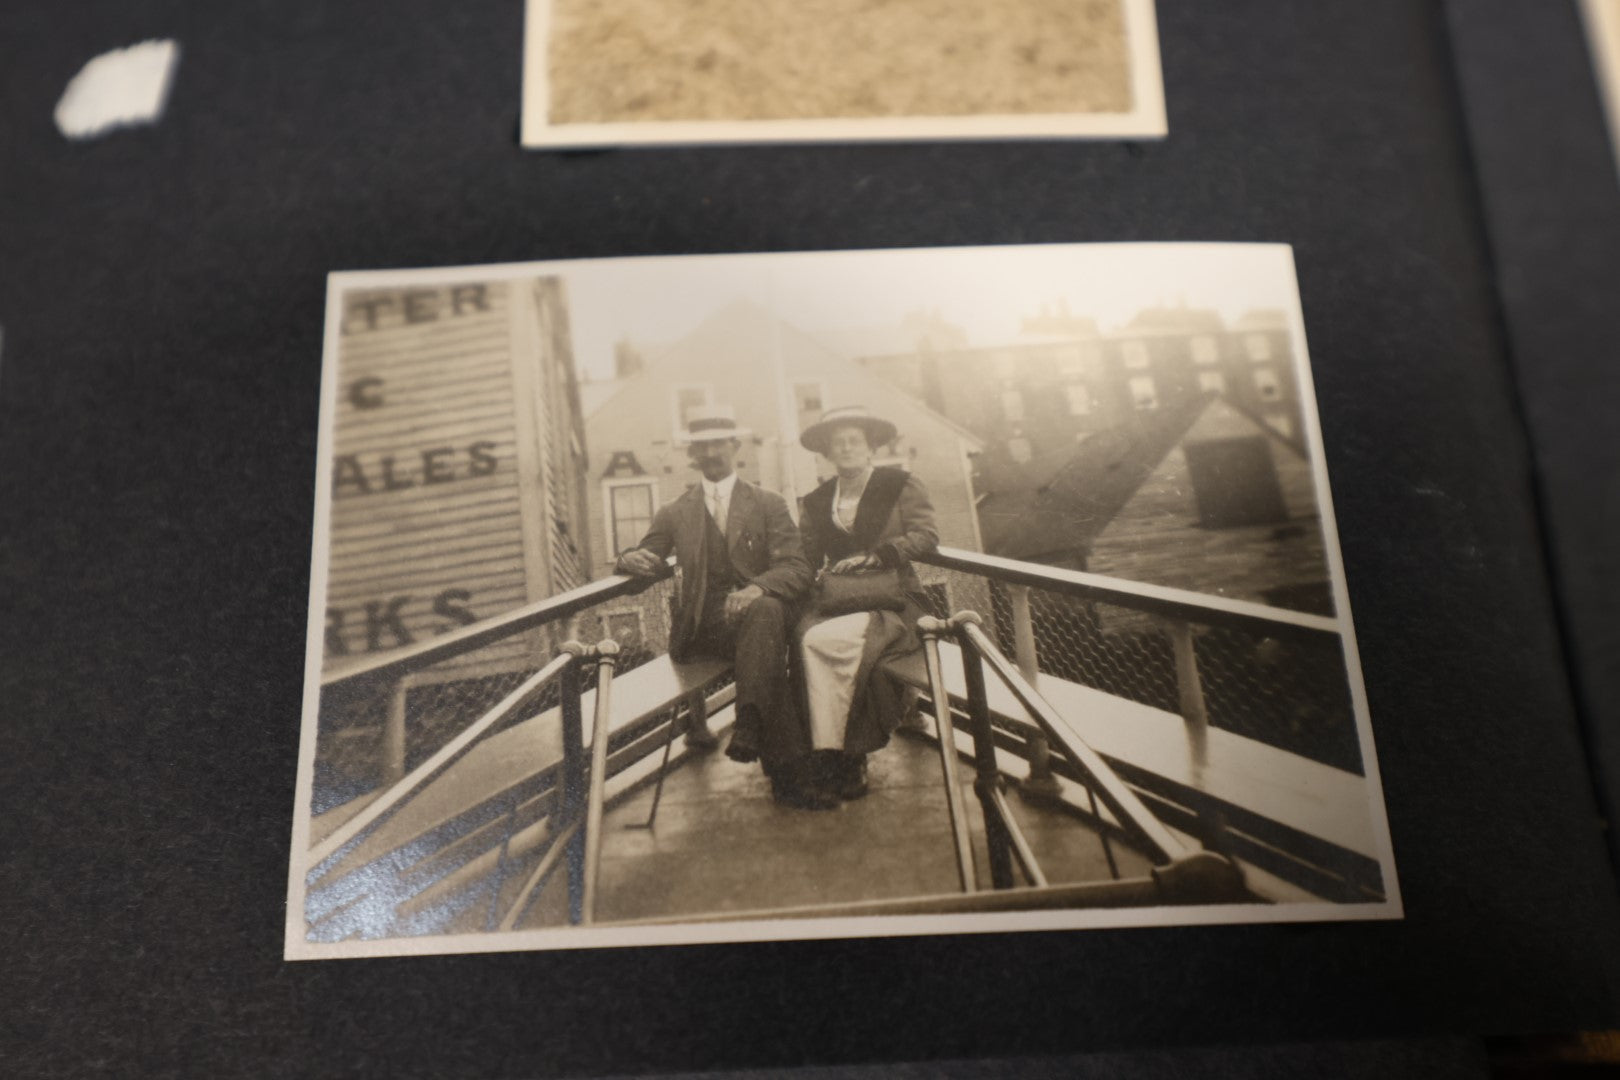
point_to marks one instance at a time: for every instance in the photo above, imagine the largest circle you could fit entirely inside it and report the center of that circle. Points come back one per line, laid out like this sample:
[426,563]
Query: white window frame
[1204,350]
[677,424]
[1212,380]
[608,486]
[1135,355]
[1258,346]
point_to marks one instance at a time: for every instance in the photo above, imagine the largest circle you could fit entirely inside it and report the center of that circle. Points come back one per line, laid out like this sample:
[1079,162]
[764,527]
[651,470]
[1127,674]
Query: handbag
[865,590]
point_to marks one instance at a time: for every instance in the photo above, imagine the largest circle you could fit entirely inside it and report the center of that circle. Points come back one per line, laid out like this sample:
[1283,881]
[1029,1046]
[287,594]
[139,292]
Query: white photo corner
[1122,690]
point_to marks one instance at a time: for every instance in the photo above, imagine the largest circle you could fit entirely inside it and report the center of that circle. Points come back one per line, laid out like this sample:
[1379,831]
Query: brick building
[1064,379]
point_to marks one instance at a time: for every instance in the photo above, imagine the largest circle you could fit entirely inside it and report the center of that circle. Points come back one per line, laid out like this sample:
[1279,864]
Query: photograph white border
[296,947]
[1602,21]
[1146,118]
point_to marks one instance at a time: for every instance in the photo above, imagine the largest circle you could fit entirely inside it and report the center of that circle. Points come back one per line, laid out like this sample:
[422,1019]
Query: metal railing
[1178,875]
[484,704]
[380,715]
[1276,677]
[1146,643]
[576,824]
[1268,673]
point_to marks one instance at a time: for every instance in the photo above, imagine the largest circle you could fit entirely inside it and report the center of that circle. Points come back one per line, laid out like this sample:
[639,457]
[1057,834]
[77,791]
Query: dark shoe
[801,794]
[849,778]
[744,744]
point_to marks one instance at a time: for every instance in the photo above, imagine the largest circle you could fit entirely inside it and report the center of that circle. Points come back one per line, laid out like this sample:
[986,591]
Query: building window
[1282,425]
[1079,399]
[1258,346]
[808,401]
[1212,380]
[687,398]
[1077,360]
[1204,351]
[630,505]
[1135,354]
[1143,393]
[1019,450]
[1267,385]
[1012,405]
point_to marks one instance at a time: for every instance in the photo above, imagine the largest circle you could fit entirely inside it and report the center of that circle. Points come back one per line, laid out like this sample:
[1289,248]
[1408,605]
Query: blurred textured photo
[757,63]
[760,596]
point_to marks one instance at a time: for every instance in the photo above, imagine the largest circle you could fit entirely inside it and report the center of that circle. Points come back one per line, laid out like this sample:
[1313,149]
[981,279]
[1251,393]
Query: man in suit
[742,567]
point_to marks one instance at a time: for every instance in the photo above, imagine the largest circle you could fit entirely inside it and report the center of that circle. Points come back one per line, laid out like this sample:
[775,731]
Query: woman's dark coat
[895,521]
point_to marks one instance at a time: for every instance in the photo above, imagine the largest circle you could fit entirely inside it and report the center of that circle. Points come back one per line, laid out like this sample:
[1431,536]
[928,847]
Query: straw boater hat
[878,432]
[705,422]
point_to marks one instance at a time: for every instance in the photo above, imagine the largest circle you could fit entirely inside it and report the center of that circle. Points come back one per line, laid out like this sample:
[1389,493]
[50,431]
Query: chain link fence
[1288,693]
[372,731]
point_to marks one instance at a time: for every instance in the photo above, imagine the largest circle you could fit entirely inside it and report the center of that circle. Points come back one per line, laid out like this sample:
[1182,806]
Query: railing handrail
[1155,599]
[407,786]
[423,654]
[1160,600]
[1119,799]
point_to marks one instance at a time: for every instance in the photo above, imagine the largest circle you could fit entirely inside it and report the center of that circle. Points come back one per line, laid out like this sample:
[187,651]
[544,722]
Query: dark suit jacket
[762,539]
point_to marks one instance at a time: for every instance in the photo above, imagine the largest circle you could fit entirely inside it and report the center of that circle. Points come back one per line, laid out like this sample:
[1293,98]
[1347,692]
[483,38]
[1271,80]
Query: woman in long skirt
[864,518]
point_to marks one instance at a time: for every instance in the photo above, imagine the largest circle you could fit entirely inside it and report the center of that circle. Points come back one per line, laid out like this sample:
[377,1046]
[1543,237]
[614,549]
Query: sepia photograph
[838,594]
[672,71]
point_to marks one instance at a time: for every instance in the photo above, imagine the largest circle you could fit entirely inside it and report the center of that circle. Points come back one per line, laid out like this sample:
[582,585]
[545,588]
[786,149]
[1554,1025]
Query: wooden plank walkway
[720,843]
[1313,798]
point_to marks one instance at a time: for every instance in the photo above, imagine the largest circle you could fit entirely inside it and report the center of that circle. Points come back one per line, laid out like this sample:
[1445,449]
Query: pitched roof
[742,332]
[1061,502]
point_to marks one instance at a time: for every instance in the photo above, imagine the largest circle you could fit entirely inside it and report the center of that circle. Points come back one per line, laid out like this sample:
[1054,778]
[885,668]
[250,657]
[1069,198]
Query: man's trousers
[756,644]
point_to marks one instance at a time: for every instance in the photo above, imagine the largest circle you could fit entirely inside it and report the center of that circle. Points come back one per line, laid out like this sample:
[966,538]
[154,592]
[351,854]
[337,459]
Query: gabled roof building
[1202,496]
[778,380]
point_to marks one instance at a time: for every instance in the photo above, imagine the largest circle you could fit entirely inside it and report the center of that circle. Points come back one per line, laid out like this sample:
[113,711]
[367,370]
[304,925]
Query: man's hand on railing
[641,563]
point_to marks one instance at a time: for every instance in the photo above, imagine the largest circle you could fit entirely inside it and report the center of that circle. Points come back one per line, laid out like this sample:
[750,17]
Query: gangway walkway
[720,844]
[536,812]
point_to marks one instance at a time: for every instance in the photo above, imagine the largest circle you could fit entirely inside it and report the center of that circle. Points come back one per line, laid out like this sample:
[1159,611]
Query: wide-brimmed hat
[879,432]
[704,422]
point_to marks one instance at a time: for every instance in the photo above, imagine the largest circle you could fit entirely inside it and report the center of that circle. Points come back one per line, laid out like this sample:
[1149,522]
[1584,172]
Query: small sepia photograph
[673,71]
[838,594]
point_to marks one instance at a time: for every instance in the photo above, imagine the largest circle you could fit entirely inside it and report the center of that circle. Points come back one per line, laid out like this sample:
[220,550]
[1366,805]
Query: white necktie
[718,510]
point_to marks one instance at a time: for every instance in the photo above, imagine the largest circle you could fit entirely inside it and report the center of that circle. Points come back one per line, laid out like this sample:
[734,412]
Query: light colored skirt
[831,651]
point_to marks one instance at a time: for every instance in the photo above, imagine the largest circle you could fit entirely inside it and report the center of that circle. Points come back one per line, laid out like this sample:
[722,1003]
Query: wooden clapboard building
[457,476]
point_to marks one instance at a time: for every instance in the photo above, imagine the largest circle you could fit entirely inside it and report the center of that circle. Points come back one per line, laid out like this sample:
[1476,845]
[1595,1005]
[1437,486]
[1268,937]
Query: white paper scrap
[120,88]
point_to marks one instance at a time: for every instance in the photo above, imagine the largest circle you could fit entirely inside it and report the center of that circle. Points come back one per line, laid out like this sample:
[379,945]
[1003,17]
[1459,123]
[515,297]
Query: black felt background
[161,295]
[1552,198]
